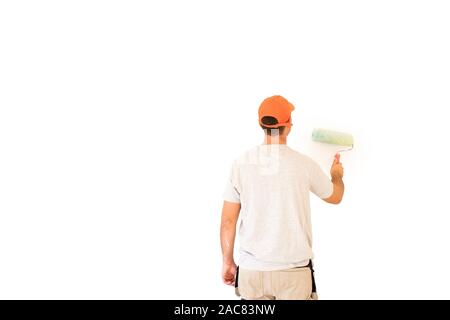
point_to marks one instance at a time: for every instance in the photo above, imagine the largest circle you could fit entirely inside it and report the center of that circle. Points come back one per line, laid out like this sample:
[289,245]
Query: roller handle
[337,157]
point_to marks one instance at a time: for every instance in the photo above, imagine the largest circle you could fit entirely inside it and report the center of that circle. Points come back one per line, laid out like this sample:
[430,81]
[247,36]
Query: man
[269,186]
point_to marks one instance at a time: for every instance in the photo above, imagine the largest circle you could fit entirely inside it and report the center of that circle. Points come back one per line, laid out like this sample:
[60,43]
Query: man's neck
[274,139]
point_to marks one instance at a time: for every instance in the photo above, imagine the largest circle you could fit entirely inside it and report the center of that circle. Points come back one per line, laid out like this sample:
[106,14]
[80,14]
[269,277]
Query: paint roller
[335,138]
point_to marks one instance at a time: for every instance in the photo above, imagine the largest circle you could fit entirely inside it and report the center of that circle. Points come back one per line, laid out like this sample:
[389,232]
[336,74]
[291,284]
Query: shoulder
[248,156]
[301,157]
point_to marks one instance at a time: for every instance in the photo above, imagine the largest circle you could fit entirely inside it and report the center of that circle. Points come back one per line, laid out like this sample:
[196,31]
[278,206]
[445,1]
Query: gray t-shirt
[272,184]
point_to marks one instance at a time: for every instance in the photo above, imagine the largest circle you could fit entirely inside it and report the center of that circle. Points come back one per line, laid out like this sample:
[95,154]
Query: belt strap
[310,265]
[236,279]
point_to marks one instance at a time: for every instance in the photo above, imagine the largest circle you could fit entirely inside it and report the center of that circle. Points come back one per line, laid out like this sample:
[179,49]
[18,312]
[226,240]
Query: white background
[119,121]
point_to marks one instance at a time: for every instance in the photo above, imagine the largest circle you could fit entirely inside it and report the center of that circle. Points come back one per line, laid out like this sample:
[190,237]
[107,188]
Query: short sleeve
[319,182]
[231,194]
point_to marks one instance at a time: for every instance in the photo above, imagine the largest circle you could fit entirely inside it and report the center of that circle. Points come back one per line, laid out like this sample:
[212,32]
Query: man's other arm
[230,214]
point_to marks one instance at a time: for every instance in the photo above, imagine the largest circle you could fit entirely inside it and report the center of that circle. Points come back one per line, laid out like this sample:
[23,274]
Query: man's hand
[337,171]
[229,273]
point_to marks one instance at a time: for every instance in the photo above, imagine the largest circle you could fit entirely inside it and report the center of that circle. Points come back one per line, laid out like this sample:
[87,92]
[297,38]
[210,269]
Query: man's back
[272,183]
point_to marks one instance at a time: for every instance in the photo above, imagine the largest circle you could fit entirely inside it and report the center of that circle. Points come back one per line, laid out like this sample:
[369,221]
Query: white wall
[119,121]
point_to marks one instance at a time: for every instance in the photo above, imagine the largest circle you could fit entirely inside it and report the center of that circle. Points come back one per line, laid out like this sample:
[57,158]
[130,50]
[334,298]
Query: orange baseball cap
[277,107]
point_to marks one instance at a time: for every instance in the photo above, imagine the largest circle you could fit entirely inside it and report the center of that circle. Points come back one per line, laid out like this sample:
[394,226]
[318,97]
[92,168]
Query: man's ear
[287,130]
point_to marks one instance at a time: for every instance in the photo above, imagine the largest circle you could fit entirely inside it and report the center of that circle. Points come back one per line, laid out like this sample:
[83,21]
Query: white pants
[289,284]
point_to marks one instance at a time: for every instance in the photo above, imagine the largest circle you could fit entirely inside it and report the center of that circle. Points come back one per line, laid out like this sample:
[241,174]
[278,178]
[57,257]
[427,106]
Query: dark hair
[271,121]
